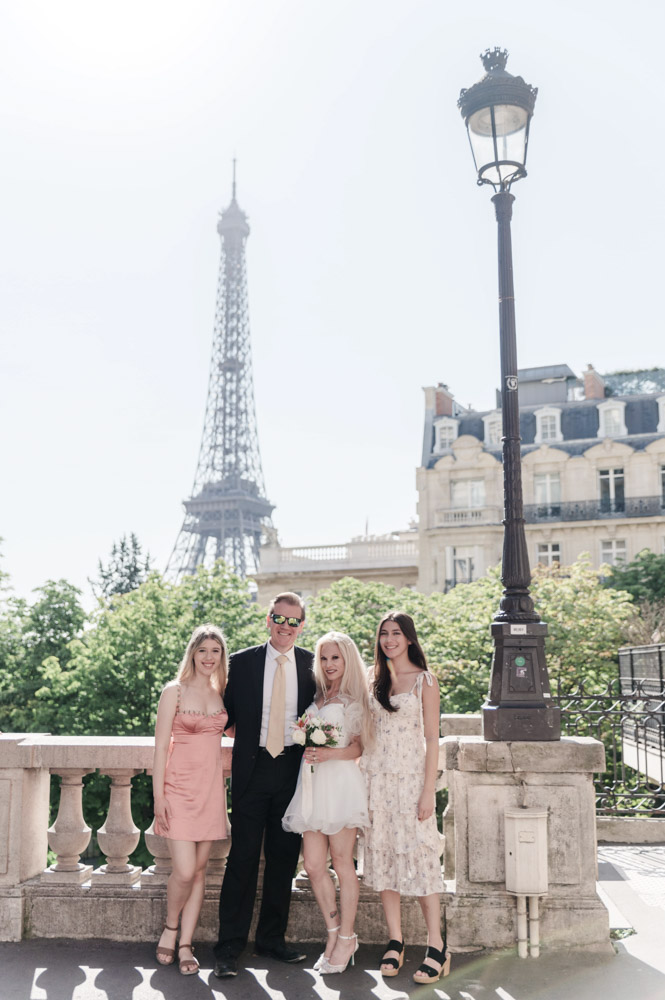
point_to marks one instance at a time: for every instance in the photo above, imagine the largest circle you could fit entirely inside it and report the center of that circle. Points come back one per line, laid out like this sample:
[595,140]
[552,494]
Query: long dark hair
[382,678]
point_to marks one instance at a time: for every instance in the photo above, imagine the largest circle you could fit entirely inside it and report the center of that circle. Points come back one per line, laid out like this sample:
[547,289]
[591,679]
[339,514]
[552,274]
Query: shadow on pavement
[100,970]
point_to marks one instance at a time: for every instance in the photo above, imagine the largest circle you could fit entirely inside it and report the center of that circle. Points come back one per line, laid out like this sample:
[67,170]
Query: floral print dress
[401,853]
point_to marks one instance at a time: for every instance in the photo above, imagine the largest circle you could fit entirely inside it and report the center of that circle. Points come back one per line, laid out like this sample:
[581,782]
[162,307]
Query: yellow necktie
[275,741]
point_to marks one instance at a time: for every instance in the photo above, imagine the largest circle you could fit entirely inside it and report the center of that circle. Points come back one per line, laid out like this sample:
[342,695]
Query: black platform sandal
[427,973]
[394,963]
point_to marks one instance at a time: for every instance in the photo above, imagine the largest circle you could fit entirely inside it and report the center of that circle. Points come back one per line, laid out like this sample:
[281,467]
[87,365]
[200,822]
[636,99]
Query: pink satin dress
[194,785]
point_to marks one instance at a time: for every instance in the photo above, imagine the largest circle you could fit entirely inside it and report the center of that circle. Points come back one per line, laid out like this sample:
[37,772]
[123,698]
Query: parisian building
[593,474]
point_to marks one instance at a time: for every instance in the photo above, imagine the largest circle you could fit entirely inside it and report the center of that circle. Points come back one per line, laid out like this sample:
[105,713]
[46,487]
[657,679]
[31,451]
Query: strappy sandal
[188,966]
[427,973]
[165,956]
[323,957]
[394,963]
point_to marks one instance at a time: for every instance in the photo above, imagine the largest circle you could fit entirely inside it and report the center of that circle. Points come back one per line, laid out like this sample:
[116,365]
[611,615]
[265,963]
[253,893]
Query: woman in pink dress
[188,784]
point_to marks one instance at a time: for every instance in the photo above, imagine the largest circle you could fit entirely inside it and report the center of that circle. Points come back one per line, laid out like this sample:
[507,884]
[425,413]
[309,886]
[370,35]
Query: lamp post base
[524,723]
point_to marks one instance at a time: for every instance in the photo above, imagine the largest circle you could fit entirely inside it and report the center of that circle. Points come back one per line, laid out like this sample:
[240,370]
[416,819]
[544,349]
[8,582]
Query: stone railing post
[24,804]
[219,852]
[158,873]
[485,779]
[69,836]
[119,836]
[220,848]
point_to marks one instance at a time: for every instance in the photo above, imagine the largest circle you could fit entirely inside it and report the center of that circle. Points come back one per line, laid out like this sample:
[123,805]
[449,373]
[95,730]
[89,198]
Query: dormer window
[548,425]
[661,414]
[611,418]
[445,432]
[493,427]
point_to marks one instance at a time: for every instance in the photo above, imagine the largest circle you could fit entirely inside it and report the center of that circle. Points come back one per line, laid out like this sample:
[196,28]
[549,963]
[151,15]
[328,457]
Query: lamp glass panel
[509,129]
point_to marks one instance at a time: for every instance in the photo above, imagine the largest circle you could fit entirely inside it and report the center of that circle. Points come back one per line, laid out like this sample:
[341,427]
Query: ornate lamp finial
[494,59]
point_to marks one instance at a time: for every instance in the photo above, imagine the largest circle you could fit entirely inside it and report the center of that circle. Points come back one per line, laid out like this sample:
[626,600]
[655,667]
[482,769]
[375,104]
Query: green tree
[643,577]
[112,681]
[33,634]
[126,569]
[587,624]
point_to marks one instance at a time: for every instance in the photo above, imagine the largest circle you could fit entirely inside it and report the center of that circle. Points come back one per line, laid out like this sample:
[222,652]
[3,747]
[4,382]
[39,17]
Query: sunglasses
[282,620]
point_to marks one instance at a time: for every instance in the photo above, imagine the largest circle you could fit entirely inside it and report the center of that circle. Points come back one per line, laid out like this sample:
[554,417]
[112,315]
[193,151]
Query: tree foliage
[587,624]
[31,635]
[126,569]
[113,679]
[63,674]
[643,577]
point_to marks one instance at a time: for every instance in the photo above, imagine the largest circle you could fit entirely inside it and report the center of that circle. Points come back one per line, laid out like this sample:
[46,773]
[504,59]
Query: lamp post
[497,111]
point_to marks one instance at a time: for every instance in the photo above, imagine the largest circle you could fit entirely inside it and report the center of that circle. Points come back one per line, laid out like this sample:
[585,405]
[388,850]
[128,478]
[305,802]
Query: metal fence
[628,716]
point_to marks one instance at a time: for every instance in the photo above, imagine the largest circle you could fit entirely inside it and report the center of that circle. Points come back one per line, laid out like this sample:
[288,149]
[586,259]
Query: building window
[445,432]
[548,424]
[463,567]
[466,493]
[611,419]
[549,553]
[493,427]
[613,551]
[661,414]
[547,488]
[611,488]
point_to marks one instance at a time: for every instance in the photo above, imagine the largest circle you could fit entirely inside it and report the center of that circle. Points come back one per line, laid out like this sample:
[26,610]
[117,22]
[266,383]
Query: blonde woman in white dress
[330,802]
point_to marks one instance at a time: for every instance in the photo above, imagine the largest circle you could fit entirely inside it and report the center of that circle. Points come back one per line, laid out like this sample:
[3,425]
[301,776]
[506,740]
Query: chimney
[594,386]
[443,401]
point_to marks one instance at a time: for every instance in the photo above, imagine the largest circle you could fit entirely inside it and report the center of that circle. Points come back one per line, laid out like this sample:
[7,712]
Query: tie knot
[281,659]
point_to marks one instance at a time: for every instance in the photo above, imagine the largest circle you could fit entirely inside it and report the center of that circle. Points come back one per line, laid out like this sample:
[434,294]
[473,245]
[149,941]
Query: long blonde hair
[353,687]
[199,635]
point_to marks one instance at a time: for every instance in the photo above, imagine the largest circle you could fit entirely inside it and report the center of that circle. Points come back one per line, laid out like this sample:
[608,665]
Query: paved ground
[632,883]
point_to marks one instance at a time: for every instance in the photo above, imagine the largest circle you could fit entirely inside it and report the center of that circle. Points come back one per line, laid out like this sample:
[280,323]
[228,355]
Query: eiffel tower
[227,510]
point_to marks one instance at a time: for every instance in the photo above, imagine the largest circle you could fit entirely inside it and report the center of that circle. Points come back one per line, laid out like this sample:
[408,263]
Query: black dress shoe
[226,967]
[282,953]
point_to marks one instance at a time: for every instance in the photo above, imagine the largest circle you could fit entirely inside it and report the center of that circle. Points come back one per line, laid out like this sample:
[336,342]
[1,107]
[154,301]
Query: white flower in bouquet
[318,737]
[299,737]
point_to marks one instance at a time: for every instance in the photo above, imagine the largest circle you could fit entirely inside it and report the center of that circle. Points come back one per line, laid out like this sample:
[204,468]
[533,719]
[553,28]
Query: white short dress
[333,795]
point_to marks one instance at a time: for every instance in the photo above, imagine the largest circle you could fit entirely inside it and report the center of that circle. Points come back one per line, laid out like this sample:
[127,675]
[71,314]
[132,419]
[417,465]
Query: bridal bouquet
[313,731]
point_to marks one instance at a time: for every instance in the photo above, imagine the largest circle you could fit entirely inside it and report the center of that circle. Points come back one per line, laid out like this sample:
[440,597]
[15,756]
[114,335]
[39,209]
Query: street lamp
[497,111]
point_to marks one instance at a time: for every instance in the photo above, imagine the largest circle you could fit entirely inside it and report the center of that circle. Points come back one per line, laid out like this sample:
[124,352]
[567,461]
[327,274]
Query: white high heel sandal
[323,958]
[327,967]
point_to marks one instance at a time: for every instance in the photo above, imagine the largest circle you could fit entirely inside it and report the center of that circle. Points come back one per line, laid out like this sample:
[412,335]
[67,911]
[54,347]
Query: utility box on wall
[526,851]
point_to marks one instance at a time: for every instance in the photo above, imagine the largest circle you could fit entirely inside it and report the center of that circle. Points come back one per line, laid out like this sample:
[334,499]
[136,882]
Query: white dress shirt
[291,701]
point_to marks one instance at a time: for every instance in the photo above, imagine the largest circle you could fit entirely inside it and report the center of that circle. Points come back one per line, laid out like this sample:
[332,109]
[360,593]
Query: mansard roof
[579,424]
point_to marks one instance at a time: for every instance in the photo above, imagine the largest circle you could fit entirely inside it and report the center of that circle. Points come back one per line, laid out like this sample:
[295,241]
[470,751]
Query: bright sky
[371,261]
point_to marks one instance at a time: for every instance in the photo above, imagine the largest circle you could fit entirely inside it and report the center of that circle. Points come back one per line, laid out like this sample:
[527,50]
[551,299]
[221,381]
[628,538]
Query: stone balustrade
[119,901]
[62,899]
[353,555]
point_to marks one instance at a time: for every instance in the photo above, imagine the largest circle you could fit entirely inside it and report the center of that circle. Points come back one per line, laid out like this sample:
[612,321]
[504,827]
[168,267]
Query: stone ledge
[461,725]
[570,754]
[477,922]
[630,830]
[41,750]
[137,914]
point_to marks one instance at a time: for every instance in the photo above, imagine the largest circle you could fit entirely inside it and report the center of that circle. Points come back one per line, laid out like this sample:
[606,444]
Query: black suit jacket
[243,700]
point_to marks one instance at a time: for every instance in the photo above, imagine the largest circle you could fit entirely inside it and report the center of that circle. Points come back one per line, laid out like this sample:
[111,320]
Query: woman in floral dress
[402,845]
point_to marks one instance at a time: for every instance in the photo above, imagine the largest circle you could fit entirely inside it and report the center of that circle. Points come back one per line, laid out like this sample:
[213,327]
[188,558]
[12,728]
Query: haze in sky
[371,259]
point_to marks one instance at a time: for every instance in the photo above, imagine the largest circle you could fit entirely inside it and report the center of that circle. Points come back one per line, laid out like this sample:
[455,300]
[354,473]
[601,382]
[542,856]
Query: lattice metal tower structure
[227,511]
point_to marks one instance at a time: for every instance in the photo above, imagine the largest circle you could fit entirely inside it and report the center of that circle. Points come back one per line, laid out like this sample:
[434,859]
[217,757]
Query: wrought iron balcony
[594,510]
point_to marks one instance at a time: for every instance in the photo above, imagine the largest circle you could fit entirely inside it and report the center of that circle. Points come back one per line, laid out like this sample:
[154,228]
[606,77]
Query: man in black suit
[269,686]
